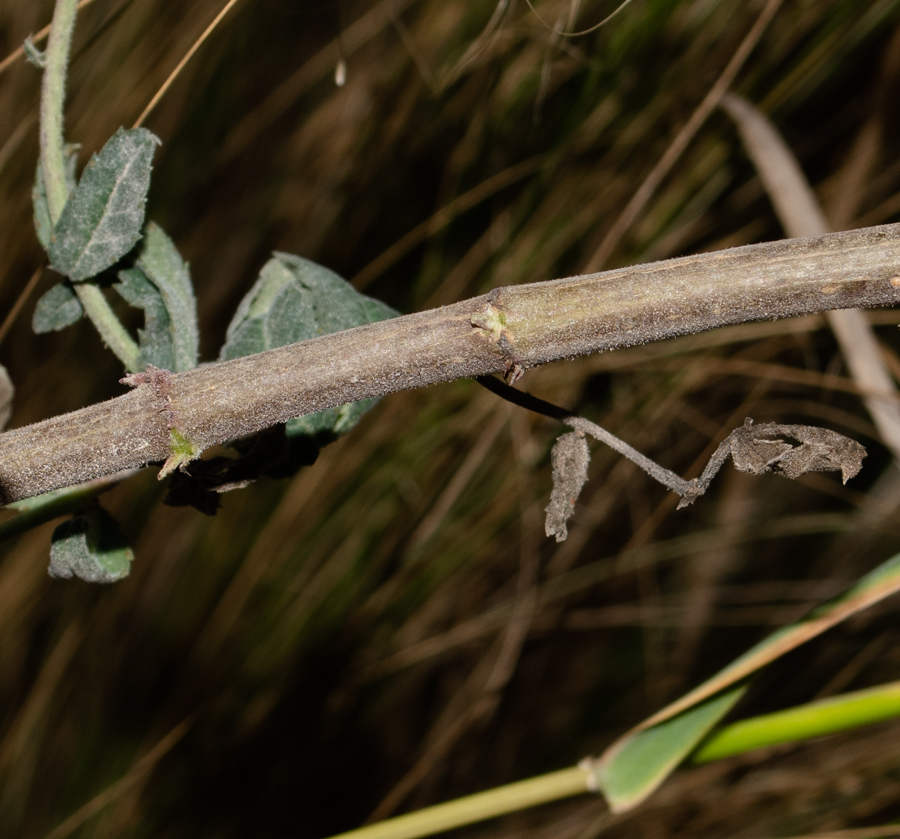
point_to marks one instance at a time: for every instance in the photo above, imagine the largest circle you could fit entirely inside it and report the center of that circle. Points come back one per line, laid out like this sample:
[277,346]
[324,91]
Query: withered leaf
[766,448]
[570,458]
[788,450]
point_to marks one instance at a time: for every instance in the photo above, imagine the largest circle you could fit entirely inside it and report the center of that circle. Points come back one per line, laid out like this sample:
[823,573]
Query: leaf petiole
[114,335]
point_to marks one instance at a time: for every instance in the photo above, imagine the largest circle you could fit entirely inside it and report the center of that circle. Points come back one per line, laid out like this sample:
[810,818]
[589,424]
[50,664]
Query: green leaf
[294,300]
[57,309]
[876,585]
[163,266]
[160,284]
[103,217]
[155,338]
[645,760]
[42,224]
[91,547]
[33,55]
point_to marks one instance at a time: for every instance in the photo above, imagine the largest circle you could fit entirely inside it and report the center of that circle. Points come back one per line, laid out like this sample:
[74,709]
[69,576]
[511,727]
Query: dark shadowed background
[391,628]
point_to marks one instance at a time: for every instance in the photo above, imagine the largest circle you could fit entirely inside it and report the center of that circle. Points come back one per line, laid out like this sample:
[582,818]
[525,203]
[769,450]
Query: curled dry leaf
[570,458]
[768,448]
[762,448]
[753,448]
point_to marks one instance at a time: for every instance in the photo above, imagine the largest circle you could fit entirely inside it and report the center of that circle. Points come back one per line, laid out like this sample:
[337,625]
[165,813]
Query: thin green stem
[53,165]
[53,95]
[826,716]
[815,719]
[114,335]
[478,807]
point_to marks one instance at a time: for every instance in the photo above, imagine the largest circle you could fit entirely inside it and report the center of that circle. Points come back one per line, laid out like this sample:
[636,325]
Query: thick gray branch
[523,325]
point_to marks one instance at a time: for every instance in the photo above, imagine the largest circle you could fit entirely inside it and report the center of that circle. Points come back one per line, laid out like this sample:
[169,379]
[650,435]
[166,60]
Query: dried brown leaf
[570,458]
[763,448]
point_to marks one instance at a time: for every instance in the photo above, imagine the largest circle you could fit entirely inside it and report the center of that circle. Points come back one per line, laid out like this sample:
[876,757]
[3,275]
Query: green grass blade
[650,756]
[478,807]
[815,719]
[875,586]
[642,762]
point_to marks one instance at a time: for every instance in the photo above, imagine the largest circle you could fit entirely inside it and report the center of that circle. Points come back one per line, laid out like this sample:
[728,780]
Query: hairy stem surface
[53,95]
[53,166]
[515,326]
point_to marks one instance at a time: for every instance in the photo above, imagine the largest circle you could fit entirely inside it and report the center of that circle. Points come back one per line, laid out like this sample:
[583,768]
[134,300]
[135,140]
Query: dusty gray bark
[523,325]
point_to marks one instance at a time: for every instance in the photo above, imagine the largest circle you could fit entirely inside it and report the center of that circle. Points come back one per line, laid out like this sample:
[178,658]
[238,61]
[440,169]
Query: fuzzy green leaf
[294,300]
[162,264]
[34,56]
[103,217]
[91,547]
[57,309]
[155,339]
[160,284]
[42,224]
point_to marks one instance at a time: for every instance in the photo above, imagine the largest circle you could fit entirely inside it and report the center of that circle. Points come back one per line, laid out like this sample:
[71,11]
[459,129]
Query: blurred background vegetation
[390,628]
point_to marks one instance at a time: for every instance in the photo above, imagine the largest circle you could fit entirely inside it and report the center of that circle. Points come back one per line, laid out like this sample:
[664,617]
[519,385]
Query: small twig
[755,449]
[686,489]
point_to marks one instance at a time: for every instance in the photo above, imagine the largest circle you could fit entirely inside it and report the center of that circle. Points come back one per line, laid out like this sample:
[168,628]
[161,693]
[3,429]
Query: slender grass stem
[826,716]
[815,719]
[478,807]
[53,166]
